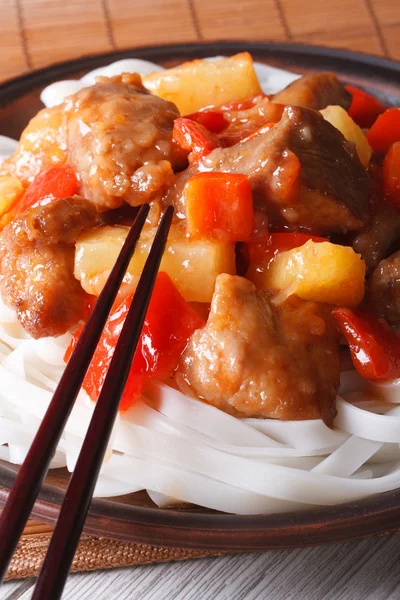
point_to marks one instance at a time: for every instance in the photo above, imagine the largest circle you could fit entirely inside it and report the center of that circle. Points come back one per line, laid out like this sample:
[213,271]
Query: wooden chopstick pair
[17,509]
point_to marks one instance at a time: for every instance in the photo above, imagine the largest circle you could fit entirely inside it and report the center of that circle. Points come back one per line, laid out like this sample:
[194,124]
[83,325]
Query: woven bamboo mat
[93,553]
[35,33]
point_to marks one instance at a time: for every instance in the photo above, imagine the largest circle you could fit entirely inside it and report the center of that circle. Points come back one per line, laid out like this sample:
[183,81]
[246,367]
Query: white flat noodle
[128,65]
[380,428]
[304,435]
[55,93]
[205,418]
[272,79]
[387,390]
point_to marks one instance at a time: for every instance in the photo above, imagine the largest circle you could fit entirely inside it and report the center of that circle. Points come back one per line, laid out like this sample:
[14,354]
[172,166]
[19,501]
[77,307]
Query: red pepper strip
[261,253]
[169,323]
[219,205]
[385,131]
[49,184]
[195,138]
[364,108]
[391,174]
[212,120]
[374,348]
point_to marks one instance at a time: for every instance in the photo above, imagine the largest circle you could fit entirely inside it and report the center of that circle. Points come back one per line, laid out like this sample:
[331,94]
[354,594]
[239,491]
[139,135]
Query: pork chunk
[120,141]
[315,91]
[37,265]
[257,359]
[329,193]
[384,289]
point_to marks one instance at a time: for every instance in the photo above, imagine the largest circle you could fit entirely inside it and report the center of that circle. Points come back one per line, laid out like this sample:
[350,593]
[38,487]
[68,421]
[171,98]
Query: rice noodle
[182,450]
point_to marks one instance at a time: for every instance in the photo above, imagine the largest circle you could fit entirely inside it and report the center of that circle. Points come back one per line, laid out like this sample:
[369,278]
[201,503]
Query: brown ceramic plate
[134,518]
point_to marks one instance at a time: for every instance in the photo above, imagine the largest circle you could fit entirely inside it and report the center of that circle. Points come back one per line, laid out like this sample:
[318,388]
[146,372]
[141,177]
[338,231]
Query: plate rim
[219,531]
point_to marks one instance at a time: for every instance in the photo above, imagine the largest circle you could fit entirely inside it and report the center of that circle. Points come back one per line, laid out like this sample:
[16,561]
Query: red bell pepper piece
[391,174]
[364,108]
[374,347]
[261,253]
[169,323]
[219,205]
[51,183]
[385,131]
[212,120]
[194,138]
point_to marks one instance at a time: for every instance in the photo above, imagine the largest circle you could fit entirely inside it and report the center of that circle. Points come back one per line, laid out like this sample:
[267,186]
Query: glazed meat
[384,289]
[303,175]
[257,359]
[379,237]
[37,265]
[120,141]
[246,122]
[315,91]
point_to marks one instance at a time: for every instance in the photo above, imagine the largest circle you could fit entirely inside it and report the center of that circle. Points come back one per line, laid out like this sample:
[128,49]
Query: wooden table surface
[365,570]
[35,33]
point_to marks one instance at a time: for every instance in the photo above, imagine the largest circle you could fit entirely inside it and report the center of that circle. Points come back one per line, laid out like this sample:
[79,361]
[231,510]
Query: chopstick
[80,490]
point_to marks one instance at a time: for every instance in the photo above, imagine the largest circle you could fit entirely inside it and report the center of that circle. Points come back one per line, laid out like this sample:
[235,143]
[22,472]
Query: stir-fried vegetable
[199,83]
[213,120]
[169,323]
[11,190]
[51,183]
[364,108]
[391,174]
[385,131]
[322,272]
[193,265]
[219,205]
[375,349]
[194,138]
[261,254]
[339,118]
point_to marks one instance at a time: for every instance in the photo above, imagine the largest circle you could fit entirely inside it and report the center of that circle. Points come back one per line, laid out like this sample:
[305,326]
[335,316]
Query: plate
[134,518]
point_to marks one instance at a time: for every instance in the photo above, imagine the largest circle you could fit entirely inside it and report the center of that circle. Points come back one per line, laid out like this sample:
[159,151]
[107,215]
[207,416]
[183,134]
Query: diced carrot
[212,120]
[219,205]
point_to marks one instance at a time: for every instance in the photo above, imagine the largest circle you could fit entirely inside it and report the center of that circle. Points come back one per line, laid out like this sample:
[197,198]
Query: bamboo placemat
[93,553]
[35,33]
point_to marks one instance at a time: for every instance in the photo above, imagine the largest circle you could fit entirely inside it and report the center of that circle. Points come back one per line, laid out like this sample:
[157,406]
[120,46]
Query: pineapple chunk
[193,265]
[322,272]
[42,144]
[339,118]
[11,190]
[200,83]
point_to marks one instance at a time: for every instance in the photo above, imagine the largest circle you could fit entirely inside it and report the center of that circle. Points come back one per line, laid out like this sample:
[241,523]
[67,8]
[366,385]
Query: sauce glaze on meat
[256,359]
[331,193]
[120,141]
[37,262]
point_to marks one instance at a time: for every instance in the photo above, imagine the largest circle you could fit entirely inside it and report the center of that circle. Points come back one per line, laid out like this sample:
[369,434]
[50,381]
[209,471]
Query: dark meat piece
[330,193]
[384,289]
[243,123]
[120,141]
[257,359]
[315,91]
[37,265]
[380,236]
